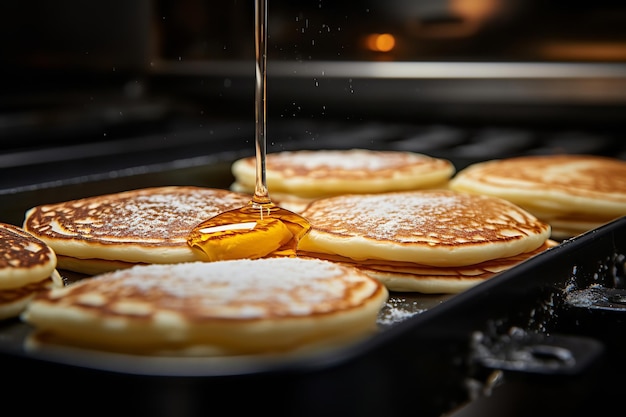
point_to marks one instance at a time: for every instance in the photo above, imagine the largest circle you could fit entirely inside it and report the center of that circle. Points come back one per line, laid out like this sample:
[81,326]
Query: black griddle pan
[530,325]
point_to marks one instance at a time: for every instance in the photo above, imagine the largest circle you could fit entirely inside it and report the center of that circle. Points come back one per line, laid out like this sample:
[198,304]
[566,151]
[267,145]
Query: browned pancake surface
[573,193]
[161,216]
[350,164]
[210,291]
[149,225]
[433,218]
[550,177]
[25,259]
[20,249]
[576,174]
[10,295]
[429,241]
[225,307]
[317,173]
[27,266]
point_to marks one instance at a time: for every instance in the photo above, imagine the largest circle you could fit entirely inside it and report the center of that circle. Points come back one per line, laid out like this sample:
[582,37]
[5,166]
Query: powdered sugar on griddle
[396,310]
[239,289]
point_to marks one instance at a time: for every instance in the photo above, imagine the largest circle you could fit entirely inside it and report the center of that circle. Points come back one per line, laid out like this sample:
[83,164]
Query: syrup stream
[260,228]
[261,194]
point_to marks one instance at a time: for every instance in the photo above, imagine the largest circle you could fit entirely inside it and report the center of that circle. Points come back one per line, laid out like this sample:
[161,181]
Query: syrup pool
[260,228]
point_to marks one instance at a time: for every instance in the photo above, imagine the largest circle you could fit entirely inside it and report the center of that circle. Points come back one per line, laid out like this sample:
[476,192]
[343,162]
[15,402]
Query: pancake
[27,266]
[236,307]
[417,238]
[574,193]
[413,277]
[91,266]
[430,227]
[147,225]
[294,178]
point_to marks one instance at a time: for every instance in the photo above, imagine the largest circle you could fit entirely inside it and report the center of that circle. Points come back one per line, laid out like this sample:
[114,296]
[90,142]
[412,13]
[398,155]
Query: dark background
[90,88]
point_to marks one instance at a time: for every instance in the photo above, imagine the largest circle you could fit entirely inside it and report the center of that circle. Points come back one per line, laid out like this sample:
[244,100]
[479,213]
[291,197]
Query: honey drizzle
[261,193]
[279,228]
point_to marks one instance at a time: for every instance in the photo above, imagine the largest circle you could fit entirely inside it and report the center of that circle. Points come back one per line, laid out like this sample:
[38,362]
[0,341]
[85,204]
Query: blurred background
[95,87]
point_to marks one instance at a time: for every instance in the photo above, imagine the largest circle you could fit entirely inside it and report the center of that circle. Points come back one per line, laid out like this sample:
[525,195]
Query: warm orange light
[380,42]
[476,10]
[592,51]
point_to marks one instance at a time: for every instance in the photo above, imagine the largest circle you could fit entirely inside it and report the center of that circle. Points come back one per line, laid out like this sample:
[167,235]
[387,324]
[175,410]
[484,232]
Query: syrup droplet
[260,228]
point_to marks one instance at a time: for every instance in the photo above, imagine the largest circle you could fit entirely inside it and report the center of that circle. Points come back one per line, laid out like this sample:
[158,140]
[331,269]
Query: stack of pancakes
[573,193]
[295,178]
[27,266]
[144,226]
[236,307]
[429,241]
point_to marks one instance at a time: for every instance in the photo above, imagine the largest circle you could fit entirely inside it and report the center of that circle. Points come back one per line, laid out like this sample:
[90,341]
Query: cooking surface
[508,341]
[400,307]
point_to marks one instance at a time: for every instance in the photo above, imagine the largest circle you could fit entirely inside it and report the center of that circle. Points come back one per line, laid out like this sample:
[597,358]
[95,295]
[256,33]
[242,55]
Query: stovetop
[120,140]
[164,147]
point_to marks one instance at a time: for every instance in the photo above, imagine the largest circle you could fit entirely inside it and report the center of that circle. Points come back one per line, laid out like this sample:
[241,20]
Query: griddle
[548,328]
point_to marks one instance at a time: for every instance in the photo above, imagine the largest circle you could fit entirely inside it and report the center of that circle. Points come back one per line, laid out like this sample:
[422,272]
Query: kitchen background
[91,88]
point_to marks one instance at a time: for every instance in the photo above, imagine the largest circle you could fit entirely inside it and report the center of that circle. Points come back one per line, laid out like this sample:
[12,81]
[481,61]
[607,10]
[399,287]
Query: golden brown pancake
[417,237]
[296,177]
[413,277]
[236,307]
[574,193]
[27,265]
[147,225]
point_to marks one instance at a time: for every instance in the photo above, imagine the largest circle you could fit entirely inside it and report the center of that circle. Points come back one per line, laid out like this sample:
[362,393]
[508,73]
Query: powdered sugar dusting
[151,215]
[422,216]
[239,289]
[355,159]
[396,311]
